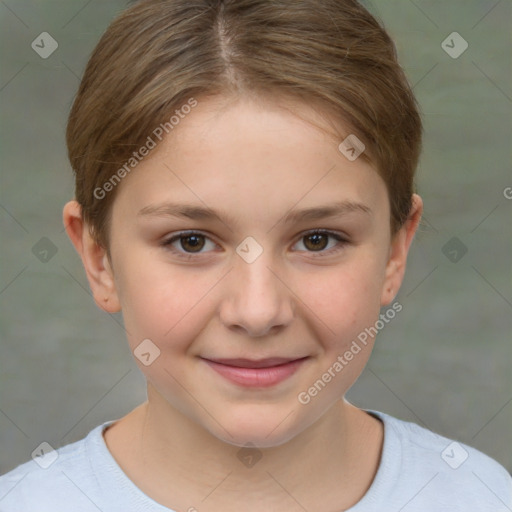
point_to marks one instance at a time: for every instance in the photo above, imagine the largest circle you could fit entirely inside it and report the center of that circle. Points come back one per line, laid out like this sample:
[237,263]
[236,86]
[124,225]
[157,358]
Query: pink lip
[263,373]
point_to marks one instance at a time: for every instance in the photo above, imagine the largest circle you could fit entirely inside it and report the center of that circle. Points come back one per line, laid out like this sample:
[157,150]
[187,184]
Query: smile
[263,373]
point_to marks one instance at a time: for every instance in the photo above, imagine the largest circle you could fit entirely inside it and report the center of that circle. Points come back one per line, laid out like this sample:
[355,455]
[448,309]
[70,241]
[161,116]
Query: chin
[257,429]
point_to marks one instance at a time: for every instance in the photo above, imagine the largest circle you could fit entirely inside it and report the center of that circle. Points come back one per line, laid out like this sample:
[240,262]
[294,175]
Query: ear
[94,258]
[400,244]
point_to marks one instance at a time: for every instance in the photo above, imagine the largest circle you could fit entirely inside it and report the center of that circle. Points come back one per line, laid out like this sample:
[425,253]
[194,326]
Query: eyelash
[317,254]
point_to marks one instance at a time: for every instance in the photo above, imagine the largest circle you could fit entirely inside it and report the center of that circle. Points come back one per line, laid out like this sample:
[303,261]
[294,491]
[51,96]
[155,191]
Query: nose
[257,299]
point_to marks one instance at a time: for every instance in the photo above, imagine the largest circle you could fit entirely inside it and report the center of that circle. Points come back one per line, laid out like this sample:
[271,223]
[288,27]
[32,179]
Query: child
[244,195]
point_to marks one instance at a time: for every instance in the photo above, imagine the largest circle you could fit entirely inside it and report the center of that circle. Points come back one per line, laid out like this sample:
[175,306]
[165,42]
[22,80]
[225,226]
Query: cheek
[165,304]
[344,306]
[344,299]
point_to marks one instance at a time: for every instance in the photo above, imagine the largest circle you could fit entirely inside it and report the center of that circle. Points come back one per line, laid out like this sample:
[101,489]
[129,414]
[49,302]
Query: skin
[256,161]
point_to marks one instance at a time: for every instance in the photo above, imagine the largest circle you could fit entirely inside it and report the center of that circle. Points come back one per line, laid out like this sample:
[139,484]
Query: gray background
[444,362]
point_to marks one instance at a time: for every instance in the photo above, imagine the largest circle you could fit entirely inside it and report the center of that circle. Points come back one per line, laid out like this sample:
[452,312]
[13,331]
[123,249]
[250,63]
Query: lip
[260,373]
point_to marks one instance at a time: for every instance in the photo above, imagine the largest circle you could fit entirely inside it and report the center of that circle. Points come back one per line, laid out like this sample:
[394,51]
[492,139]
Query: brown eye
[316,241]
[188,244]
[192,243]
[324,243]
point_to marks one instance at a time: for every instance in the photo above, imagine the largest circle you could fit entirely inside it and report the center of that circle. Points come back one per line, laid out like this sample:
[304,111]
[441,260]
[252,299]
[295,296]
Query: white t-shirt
[419,471]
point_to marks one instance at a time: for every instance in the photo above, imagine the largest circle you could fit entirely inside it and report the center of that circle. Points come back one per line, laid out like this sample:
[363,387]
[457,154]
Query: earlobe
[400,245]
[94,258]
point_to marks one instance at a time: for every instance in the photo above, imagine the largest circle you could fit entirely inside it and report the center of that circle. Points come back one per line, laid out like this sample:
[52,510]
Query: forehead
[251,157]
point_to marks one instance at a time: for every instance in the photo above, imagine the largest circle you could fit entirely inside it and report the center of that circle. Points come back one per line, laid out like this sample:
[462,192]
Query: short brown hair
[158,54]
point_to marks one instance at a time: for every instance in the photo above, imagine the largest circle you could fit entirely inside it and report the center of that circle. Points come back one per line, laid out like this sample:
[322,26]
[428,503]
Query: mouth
[256,373]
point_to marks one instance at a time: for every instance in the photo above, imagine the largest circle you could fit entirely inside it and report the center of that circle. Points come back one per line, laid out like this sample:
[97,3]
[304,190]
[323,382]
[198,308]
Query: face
[248,236]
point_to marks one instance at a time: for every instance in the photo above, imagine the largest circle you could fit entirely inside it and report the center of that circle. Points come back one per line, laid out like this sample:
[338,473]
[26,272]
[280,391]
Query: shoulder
[446,453]
[431,468]
[56,477]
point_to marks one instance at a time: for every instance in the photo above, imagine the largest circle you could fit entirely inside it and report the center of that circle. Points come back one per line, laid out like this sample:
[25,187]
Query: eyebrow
[194,212]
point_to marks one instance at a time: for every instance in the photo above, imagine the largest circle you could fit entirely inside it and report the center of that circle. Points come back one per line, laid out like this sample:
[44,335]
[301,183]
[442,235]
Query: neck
[178,463]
